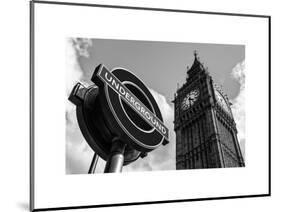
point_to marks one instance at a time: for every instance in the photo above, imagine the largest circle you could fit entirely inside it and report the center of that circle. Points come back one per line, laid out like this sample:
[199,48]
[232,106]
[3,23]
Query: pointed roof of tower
[197,66]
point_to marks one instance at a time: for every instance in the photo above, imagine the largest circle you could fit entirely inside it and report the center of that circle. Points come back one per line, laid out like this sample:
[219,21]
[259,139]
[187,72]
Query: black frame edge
[152,8]
[31,106]
[151,203]
[269,105]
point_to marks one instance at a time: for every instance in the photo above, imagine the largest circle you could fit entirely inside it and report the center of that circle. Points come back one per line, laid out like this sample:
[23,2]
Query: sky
[162,67]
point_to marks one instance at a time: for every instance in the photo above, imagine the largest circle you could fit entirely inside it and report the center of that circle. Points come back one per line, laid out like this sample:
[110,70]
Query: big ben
[206,133]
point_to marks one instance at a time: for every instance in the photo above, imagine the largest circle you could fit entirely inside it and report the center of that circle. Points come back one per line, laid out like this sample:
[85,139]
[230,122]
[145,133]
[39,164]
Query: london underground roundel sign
[129,108]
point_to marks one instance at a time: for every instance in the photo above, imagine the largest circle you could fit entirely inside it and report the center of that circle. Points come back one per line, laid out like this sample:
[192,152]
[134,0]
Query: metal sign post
[115,161]
[93,165]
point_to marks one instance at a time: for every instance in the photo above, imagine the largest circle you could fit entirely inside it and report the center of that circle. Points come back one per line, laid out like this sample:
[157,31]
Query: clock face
[221,101]
[190,99]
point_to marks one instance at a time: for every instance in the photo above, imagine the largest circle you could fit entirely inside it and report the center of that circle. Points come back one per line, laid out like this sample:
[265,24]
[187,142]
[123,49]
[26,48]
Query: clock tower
[206,134]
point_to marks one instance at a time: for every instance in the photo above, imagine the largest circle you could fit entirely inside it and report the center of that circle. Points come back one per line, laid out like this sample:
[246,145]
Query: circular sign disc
[130,110]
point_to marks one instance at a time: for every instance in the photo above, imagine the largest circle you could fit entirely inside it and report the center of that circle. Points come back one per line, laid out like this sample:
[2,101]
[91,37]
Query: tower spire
[195,54]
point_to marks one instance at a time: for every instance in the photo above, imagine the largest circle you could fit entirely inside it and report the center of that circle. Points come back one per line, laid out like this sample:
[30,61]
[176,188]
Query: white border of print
[52,188]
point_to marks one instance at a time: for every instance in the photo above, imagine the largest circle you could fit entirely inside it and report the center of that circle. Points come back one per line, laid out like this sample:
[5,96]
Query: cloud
[78,152]
[73,74]
[163,158]
[238,107]
[75,47]
[82,45]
